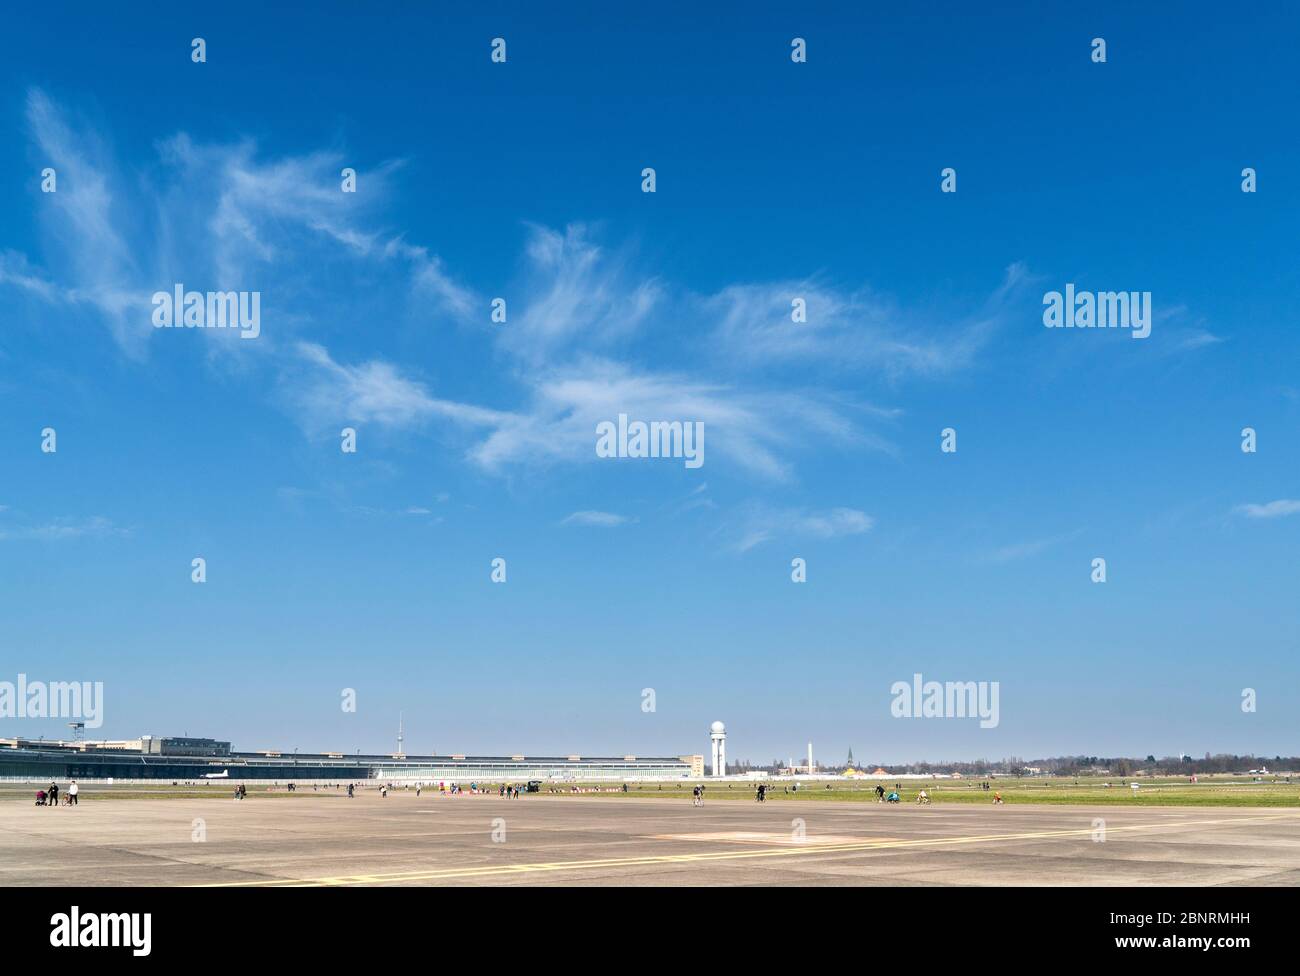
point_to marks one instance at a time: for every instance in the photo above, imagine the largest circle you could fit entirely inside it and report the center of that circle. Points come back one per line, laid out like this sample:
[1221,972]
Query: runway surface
[574,840]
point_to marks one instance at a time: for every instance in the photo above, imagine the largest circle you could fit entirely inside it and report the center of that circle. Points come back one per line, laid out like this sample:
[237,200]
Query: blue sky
[522,180]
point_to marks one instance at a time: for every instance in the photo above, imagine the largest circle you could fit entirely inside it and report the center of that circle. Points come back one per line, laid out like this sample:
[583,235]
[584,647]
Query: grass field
[1216,791]
[1221,791]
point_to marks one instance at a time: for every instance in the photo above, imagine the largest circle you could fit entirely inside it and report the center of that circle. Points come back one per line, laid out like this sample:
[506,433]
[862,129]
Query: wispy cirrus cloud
[215,217]
[753,429]
[1026,550]
[63,528]
[284,212]
[579,347]
[85,222]
[326,393]
[576,294]
[853,330]
[603,520]
[1180,331]
[758,523]
[1275,509]
[16,270]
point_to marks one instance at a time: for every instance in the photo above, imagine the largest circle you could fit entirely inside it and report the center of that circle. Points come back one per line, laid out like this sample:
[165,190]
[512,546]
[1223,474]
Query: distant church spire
[850,760]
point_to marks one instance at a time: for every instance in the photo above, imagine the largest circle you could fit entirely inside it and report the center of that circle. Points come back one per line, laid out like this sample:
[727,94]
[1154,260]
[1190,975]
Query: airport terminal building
[190,760]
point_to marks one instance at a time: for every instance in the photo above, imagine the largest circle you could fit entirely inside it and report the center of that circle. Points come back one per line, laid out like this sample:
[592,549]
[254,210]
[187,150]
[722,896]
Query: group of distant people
[507,791]
[882,795]
[50,797]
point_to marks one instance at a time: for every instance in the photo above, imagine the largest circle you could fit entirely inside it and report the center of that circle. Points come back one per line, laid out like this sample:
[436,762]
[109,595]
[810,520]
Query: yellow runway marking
[496,870]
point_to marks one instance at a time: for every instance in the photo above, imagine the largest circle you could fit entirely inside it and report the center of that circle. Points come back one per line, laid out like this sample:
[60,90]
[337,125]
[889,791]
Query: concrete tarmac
[327,839]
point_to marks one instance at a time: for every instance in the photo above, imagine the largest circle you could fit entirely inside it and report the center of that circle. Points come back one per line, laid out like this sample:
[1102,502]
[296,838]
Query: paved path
[401,840]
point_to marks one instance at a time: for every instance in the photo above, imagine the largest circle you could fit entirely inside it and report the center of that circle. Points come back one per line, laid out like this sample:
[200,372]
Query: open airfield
[137,835]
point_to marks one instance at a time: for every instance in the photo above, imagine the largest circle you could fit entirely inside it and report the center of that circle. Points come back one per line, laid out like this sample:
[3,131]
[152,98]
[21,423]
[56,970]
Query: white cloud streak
[603,520]
[1269,510]
[759,524]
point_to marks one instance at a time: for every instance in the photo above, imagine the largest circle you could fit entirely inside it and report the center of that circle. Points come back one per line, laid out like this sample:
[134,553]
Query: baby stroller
[893,798]
[40,798]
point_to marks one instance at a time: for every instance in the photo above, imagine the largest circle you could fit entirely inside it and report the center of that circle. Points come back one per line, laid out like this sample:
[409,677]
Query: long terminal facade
[196,760]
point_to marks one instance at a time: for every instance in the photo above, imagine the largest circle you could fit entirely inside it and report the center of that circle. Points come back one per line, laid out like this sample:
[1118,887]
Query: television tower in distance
[399,735]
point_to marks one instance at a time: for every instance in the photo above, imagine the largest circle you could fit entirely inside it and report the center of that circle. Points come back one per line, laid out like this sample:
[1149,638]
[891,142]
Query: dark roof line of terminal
[325,756]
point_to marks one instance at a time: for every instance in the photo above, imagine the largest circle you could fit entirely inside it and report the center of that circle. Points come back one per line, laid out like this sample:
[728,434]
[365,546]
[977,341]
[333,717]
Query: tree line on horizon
[1065,765]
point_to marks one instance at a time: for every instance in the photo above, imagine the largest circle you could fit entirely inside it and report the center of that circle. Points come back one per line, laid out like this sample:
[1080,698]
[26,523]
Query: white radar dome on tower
[718,742]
